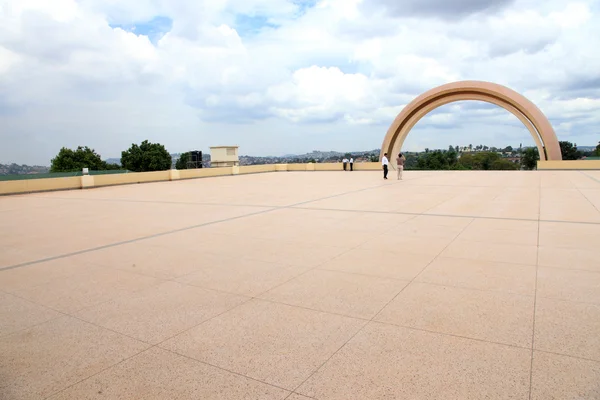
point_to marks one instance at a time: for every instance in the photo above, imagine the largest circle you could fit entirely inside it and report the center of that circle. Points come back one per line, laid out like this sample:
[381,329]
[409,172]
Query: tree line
[453,159]
[144,157]
[155,157]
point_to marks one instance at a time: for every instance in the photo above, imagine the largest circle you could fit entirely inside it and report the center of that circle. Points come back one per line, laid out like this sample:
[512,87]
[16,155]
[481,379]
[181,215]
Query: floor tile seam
[75,316]
[160,234]
[309,270]
[424,268]
[488,261]
[109,329]
[283,303]
[433,283]
[489,241]
[563,247]
[246,301]
[283,265]
[367,323]
[135,240]
[16,295]
[300,394]
[364,274]
[21,330]
[589,176]
[567,355]
[569,269]
[457,286]
[449,215]
[239,374]
[424,213]
[123,200]
[537,266]
[122,293]
[485,260]
[448,334]
[97,373]
[466,185]
[249,297]
[342,194]
[588,303]
[589,201]
[295,390]
[345,343]
[473,289]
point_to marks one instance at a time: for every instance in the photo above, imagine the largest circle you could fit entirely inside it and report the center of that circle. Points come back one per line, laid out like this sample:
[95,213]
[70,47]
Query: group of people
[346,162]
[399,162]
[384,162]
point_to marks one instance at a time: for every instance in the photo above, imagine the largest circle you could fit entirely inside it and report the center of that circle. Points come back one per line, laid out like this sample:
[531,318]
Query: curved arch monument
[527,112]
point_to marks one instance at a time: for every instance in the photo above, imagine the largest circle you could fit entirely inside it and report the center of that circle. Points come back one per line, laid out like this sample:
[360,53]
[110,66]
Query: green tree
[503,165]
[597,151]
[569,151]
[182,161]
[68,160]
[485,160]
[411,161]
[529,158]
[436,160]
[146,157]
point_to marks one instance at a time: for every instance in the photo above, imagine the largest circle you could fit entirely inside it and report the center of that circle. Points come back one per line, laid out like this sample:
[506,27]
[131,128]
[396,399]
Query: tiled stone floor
[324,285]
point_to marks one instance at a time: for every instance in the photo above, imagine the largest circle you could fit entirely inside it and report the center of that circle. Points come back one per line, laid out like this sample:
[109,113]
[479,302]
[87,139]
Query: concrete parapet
[569,165]
[91,181]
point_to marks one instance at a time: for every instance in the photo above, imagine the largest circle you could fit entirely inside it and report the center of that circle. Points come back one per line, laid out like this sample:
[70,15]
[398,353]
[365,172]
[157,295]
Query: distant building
[224,156]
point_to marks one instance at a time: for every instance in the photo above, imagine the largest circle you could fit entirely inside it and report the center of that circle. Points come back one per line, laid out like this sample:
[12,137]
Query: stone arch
[528,113]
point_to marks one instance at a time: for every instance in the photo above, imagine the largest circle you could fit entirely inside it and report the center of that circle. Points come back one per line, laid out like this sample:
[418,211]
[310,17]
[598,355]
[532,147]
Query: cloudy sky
[285,76]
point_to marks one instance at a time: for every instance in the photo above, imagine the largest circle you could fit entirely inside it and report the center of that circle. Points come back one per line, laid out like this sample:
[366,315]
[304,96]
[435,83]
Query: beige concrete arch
[463,97]
[534,120]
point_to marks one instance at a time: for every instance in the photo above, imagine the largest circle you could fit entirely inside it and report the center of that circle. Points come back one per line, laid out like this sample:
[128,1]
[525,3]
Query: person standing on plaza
[400,163]
[351,164]
[345,162]
[385,162]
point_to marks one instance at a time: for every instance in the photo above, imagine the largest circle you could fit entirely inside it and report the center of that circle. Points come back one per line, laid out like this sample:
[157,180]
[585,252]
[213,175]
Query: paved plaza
[305,285]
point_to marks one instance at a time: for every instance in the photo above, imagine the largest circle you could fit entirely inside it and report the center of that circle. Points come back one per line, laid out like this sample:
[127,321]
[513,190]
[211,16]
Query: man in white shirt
[345,161]
[385,162]
[351,164]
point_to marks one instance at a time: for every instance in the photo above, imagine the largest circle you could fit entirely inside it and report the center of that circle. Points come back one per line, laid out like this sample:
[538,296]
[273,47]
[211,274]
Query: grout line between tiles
[380,310]
[97,373]
[188,228]
[449,215]
[537,262]
[291,206]
[568,355]
[589,176]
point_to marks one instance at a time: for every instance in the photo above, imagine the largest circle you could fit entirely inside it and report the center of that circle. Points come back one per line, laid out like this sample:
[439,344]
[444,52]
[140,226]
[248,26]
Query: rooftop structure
[305,285]
[224,156]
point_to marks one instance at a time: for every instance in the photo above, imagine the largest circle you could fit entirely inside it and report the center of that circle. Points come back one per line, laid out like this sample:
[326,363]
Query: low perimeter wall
[90,181]
[569,165]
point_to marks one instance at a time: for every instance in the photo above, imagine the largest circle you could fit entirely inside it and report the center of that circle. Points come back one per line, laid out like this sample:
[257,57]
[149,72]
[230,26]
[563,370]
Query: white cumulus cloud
[285,76]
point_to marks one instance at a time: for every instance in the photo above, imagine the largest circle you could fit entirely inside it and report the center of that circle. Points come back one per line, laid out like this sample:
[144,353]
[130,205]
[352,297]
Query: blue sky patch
[304,5]
[154,28]
[247,25]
